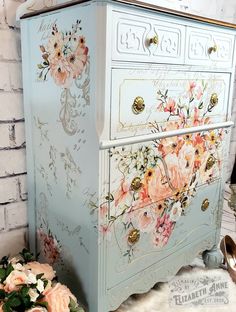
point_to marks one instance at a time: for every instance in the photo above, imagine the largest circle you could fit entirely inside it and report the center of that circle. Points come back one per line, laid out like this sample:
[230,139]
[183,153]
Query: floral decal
[155,183]
[65,57]
[191,108]
[49,245]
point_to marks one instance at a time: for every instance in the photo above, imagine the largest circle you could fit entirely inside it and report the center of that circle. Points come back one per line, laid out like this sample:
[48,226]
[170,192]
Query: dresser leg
[212,258]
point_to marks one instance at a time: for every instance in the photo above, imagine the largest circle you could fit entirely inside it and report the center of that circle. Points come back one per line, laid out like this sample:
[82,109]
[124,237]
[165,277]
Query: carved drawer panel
[146,101]
[158,200]
[149,39]
[207,47]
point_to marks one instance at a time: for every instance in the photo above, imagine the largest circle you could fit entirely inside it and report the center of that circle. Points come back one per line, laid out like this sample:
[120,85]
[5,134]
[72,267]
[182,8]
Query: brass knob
[154,40]
[205,204]
[136,184]
[138,105]
[133,236]
[212,49]
[210,163]
[214,99]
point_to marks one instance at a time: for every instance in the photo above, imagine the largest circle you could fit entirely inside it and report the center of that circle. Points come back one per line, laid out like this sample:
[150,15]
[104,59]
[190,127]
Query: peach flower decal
[170,170]
[49,246]
[64,56]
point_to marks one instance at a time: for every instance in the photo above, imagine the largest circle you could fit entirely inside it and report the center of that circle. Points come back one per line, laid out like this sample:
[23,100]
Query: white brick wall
[13,194]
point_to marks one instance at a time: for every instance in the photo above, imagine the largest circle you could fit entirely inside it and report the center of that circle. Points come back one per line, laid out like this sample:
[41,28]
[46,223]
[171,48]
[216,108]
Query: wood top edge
[140,4]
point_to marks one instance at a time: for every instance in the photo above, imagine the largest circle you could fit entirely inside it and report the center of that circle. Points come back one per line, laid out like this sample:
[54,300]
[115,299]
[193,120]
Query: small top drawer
[207,47]
[147,38]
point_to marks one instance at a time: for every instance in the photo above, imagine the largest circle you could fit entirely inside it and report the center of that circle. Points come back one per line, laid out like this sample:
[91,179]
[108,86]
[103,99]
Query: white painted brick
[22,183]
[2,15]
[11,106]
[232,148]
[15,76]
[12,162]
[13,242]
[4,77]
[2,218]
[12,135]
[16,215]
[10,50]
[9,190]
[11,7]
[10,77]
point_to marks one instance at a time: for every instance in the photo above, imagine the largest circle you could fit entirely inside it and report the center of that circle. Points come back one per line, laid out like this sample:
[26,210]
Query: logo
[202,290]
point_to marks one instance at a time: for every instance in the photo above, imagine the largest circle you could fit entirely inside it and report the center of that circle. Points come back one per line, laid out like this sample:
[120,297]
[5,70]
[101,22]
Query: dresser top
[136,3]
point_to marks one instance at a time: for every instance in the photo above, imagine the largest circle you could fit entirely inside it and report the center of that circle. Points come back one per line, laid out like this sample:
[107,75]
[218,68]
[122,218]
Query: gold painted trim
[141,5]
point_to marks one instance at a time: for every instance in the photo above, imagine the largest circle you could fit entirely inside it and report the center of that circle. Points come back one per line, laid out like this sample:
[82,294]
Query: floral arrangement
[64,56]
[168,171]
[27,285]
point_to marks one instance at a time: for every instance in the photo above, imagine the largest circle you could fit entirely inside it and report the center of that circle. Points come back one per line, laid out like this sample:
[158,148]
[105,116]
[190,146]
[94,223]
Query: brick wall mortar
[13,193]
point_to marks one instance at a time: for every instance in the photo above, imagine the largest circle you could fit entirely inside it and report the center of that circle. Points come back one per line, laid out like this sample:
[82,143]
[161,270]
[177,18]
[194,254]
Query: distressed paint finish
[120,219]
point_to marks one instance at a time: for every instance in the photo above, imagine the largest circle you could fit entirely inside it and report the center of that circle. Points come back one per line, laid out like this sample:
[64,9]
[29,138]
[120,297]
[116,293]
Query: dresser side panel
[59,58]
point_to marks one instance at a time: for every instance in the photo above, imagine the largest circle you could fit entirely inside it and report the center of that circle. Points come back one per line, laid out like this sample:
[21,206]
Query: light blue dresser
[127,111]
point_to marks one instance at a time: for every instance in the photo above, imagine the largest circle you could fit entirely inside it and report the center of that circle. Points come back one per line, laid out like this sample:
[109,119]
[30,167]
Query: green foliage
[27,255]
[74,306]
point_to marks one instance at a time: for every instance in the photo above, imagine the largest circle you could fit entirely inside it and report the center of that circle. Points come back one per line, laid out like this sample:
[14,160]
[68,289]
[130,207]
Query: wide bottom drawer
[145,236]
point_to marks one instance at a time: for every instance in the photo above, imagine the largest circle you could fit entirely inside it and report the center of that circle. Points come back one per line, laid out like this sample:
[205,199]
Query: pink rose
[49,246]
[14,279]
[157,185]
[61,72]
[77,61]
[191,87]
[186,163]
[170,106]
[146,221]
[39,268]
[172,163]
[123,191]
[58,298]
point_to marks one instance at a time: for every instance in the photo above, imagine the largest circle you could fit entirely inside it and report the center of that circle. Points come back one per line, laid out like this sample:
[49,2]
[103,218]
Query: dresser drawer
[147,38]
[145,101]
[211,48]
[144,236]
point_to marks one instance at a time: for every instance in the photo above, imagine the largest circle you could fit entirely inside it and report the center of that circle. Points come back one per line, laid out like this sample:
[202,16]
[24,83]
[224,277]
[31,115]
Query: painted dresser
[127,111]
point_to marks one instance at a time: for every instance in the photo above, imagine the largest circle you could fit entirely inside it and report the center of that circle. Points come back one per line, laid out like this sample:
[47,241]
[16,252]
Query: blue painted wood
[83,205]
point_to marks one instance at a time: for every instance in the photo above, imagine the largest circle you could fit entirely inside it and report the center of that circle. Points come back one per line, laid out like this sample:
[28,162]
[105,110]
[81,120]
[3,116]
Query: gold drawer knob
[154,40]
[133,236]
[212,49]
[210,162]
[214,99]
[138,105]
[205,204]
[136,184]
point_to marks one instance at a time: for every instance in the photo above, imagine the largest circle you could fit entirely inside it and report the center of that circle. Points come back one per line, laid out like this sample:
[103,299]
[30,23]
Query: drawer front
[148,39]
[207,47]
[141,237]
[159,199]
[146,101]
